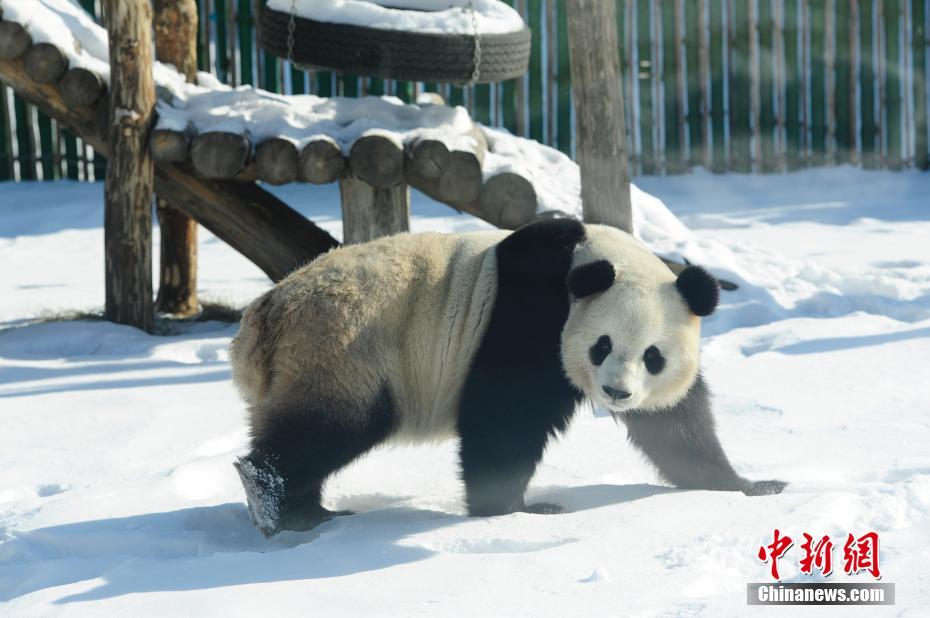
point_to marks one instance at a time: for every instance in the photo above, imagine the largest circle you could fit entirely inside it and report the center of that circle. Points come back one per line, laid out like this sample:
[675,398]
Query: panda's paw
[543,508]
[264,490]
[764,488]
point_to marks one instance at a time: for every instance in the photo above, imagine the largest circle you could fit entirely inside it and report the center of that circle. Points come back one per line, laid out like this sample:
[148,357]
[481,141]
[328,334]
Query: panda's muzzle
[615,393]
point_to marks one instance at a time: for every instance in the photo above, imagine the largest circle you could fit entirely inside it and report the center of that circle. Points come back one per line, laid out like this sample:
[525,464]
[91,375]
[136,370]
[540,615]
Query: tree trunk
[130,173]
[175,43]
[601,133]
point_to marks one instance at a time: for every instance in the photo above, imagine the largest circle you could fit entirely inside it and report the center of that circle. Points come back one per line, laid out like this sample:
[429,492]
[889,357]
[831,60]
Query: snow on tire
[396,54]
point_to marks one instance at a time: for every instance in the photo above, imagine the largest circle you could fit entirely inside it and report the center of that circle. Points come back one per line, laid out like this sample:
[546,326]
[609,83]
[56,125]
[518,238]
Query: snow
[118,495]
[420,16]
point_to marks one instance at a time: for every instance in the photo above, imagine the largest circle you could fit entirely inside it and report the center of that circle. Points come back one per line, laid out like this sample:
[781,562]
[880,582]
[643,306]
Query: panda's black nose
[615,393]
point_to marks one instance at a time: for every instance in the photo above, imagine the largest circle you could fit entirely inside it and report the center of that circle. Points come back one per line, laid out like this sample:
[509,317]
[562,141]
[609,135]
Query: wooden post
[598,94]
[371,212]
[176,43]
[130,173]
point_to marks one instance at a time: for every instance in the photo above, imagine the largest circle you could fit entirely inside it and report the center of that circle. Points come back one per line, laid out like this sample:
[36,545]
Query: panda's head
[631,340]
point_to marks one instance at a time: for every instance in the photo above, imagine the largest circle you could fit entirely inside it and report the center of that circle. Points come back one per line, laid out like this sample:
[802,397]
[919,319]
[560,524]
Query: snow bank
[433,16]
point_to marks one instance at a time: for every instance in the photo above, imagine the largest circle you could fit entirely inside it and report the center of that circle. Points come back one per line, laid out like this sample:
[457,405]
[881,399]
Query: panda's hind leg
[296,449]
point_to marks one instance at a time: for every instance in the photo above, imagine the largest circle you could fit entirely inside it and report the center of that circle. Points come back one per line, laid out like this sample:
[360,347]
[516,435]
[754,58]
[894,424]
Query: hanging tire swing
[456,58]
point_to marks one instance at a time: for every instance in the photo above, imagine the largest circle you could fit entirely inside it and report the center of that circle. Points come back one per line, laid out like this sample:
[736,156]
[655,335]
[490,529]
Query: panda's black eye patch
[599,351]
[654,360]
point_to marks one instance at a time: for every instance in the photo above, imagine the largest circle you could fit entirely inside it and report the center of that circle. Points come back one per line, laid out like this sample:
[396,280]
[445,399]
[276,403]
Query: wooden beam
[377,161]
[509,199]
[175,24]
[321,162]
[170,146]
[14,40]
[598,95]
[220,154]
[511,214]
[130,178]
[370,212]
[81,88]
[252,221]
[460,181]
[428,157]
[276,161]
[45,63]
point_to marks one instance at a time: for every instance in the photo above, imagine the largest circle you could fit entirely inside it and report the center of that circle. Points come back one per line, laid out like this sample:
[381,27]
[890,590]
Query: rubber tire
[395,54]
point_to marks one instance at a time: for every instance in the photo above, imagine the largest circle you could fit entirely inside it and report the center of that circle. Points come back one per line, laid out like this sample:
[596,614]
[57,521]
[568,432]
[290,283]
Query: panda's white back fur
[405,311]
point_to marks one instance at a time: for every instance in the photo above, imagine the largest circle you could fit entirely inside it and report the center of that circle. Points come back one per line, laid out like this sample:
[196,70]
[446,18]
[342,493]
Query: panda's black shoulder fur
[516,394]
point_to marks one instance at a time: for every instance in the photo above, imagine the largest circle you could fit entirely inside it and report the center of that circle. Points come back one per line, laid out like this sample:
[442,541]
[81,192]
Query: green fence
[738,85]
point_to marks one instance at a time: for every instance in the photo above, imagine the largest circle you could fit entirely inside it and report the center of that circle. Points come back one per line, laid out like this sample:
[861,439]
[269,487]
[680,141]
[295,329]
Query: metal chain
[291,25]
[470,8]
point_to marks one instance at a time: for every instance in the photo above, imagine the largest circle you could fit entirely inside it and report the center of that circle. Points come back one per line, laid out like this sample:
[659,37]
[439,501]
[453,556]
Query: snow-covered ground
[117,494]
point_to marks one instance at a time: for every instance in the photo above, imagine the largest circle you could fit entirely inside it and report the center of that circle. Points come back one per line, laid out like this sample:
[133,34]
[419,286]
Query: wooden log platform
[453,177]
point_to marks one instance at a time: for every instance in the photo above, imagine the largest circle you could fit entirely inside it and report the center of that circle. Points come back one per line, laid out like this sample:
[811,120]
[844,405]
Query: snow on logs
[451,175]
[46,64]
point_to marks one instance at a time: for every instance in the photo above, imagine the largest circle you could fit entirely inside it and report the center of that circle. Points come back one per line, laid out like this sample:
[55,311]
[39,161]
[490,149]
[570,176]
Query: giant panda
[491,337]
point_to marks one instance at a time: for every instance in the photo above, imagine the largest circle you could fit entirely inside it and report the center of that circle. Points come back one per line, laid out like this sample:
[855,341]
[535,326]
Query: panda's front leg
[497,467]
[682,443]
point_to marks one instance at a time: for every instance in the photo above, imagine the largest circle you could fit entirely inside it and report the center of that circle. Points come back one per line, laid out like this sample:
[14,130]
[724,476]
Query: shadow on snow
[217,546]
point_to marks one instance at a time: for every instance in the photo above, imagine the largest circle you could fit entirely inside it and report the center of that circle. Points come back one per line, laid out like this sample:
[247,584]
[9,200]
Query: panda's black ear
[699,289]
[592,278]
